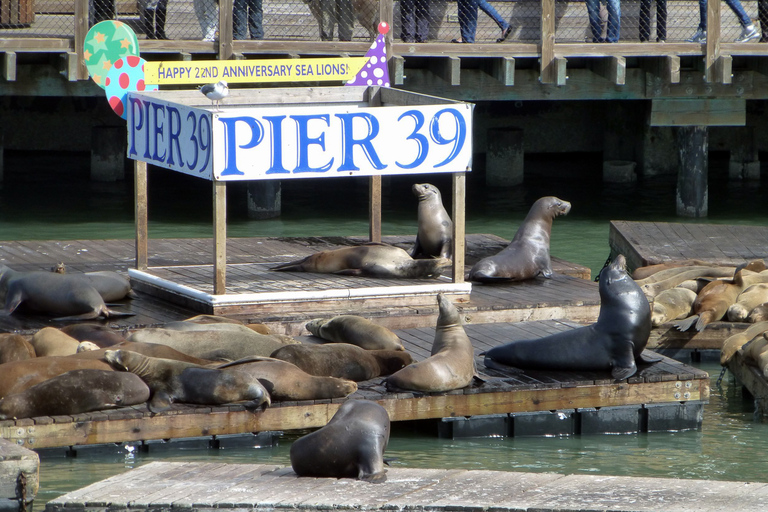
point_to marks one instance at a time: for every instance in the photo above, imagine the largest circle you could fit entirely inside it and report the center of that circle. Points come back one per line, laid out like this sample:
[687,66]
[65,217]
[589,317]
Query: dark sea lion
[369,260]
[110,285]
[350,445]
[286,381]
[61,295]
[101,335]
[434,237]
[75,392]
[17,376]
[15,347]
[355,330]
[747,300]
[672,304]
[50,341]
[613,343]
[713,301]
[527,255]
[452,363]
[178,381]
[343,360]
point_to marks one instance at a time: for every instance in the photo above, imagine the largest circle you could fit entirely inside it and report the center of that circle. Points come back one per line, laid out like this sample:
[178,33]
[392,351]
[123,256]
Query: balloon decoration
[375,71]
[126,74]
[105,43]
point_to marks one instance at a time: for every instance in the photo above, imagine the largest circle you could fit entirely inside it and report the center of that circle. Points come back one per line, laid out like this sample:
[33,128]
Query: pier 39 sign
[299,141]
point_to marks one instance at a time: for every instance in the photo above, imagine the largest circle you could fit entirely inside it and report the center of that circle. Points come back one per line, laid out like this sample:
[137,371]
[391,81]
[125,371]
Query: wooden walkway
[206,486]
[665,383]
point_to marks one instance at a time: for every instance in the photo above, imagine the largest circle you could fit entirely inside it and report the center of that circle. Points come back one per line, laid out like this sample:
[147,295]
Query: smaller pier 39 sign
[299,141]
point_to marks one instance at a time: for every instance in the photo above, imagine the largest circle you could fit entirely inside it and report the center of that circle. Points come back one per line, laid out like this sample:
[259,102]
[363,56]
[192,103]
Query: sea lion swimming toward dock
[70,298]
[350,445]
[527,255]
[434,237]
[368,260]
[613,343]
[343,360]
[355,330]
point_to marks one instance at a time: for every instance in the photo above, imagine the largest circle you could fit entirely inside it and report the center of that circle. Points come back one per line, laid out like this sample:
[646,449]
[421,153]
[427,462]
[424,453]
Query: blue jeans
[247,14]
[415,20]
[488,9]
[735,6]
[614,19]
[468,19]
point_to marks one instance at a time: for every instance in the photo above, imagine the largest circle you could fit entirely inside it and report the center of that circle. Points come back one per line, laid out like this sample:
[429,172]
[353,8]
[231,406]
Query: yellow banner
[253,71]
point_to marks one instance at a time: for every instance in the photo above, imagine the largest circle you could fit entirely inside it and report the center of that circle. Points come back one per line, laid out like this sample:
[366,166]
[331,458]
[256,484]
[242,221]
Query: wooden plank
[374,212]
[713,41]
[8,70]
[698,112]
[141,213]
[501,69]
[219,236]
[459,189]
[613,69]
[549,68]
[561,73]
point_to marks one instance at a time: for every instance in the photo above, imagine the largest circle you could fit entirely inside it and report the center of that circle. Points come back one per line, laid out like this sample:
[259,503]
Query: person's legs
[468,19]
[645,20]
[738,10]
[240,19]
[593,11]
[661,20]
[160,12]
[421,23]
[345,18]
[614,20]
[488,9]
[205,10]
[408,20]
[255,19]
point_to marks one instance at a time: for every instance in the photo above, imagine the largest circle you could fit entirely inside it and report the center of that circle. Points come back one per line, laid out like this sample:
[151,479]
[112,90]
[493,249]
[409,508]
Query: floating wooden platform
[572,395]
[752,379]
[206,486]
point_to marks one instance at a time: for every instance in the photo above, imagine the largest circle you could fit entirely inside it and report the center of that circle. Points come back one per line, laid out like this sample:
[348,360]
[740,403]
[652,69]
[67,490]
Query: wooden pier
[206,486]
[752,379]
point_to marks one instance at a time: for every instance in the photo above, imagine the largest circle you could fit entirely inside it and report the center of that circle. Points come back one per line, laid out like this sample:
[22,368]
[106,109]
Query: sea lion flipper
[374,478]
[623,372]
[160,401]
[624,363]
[114,314]
[648,357]
[686,323]
[495,365]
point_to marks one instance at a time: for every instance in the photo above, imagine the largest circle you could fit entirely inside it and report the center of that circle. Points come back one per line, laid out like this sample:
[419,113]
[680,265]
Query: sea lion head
[557,206]
[85,346]
[426,191]
[59,268]
[314,325]
[448,314]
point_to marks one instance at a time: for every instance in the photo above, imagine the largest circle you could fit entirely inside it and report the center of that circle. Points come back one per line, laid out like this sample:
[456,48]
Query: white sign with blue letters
[293,141]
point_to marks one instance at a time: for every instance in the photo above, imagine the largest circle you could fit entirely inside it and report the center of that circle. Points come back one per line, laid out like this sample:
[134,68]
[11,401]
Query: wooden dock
[752,379]
[514,396]
[206,486]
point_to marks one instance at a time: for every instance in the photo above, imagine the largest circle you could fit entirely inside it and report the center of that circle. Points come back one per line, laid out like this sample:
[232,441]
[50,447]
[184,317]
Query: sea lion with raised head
[343,360]
[350,445]
[527,255]
[368,260]
[614,343]
[355,330]
[75,392]
[451,364]
[434,237]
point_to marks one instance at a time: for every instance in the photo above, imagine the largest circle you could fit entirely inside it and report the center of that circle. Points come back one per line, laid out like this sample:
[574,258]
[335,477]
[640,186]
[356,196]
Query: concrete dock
[206,486]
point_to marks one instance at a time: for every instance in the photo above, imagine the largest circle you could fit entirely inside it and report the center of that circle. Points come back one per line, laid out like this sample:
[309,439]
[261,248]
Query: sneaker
[748,33]
[699,37]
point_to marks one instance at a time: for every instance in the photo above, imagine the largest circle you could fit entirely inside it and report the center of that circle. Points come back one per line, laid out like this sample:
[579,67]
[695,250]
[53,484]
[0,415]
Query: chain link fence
[458,21]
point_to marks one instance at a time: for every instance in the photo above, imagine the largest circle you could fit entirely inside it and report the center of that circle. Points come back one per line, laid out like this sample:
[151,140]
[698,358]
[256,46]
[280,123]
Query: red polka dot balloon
[126,74]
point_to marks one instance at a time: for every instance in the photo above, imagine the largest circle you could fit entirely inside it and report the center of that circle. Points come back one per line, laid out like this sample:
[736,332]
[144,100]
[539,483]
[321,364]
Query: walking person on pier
[247,14]
[206,11]
[614,21]
[749,31]
[661,20]
[468,20]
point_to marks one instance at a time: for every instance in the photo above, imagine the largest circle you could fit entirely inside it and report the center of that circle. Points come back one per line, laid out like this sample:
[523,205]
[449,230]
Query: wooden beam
[613,68]
[561,75]
[397,70]
[548,66]
[141,213]
[226,48]
[666,68]
[81,30]
[500,68]
[9,66]
[713,41]
[71,66]
[724,70]
[698,112]
[374,213]
[448,68]
[219,237]
[459,228]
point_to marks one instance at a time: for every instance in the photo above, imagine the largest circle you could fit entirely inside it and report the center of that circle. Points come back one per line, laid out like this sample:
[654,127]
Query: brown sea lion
[672,304]
[355,330]
[286,381]
[527,255]
[350,445]
[146,349]
[369,260]
[758,314]
[747,300]
[60,295]
[713,302]
[451,364]
[648,270]
[177,381]
[50,341]
[343,360]
[15,347]
[86,346]
[17,376]
[434,237]
[101,335]
[75,392]
[756,353]
[652,287]
[733,343]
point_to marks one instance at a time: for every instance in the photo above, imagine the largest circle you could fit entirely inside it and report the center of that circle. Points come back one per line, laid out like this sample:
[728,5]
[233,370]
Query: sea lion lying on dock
[527,255]
[75,392]
[434,237]
[15,347]
[17,376]
[101,335]
[343,360]
[747,300]
[369,260]
[110,285]
[733,343]
[50,341]
[350,445]
[672,304]
[713,301]
[355,330]
[756,353]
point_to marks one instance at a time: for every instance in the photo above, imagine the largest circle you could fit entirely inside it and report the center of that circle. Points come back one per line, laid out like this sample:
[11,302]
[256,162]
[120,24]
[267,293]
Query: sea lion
[368,260]
[50,341]
[733,343]
[15,347]
[110,285]
[758,314]
[147,349]
[747,300]
[756,353]
[86,346]
[178,381]
[672,304]
[355,330]
[17,376]
[652,288]
[75,392]
[350,445]
[713,302]
[451,364]
[234,342]
[527,255]
[286,381]
[434,237]
[649,270]
[101,335]
[61,295]
[613,343]
[343,360]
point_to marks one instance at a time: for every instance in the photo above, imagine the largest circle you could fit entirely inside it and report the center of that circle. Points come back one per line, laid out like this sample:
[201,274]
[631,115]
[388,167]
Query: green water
[36,203]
